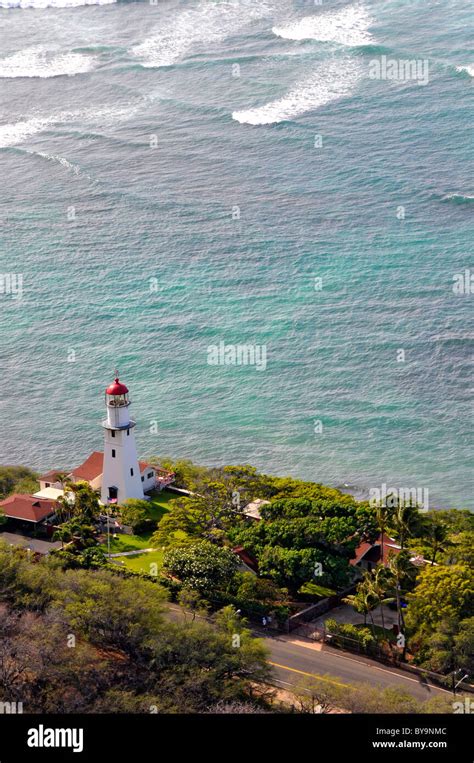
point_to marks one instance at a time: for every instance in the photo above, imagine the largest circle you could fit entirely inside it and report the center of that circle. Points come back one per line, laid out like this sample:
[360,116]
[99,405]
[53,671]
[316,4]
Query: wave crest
[37,62]
[459,198]
[348,26]
[469,69]
[206,23]
[329,82]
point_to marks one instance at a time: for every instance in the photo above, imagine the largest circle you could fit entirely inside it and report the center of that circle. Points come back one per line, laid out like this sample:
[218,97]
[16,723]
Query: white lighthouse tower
[121,474]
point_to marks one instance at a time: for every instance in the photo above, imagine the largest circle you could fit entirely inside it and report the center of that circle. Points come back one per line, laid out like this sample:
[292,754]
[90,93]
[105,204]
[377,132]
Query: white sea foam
[468,69]
[205,24]
[17,132]
[332,80]
[38,62]
[51,3]
[59,160]
[348,26]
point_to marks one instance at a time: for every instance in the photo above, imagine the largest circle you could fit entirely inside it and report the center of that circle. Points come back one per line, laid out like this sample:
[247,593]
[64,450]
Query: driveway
[36,545]
[346,614]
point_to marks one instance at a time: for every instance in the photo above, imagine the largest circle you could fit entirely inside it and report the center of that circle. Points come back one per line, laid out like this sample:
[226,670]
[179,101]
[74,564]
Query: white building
[116,472]
[121,473]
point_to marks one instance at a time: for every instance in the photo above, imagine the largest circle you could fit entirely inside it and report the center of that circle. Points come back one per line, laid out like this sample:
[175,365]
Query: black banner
[133,738]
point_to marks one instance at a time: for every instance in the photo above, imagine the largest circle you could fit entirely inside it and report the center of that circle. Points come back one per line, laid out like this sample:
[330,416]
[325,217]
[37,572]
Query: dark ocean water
[179,174]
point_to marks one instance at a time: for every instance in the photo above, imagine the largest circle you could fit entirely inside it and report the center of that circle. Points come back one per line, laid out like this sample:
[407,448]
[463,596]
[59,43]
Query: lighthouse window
[131,472]
[149,475]
[113,453]
[113,433]
[128,432]
[143,479]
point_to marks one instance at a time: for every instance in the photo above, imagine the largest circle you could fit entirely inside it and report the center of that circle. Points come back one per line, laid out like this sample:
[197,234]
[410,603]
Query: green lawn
[121,543]
[141,562]
[158,506]
[159,503]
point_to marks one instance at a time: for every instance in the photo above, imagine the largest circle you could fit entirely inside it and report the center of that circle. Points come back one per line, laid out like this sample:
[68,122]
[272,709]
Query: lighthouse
[121,472]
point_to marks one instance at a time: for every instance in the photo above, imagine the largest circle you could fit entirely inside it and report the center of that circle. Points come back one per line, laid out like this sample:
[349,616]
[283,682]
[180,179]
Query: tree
[201,566]
[400,569]
[191,601]
[439,616]
[382,515]
[17,479]
[406,520]
[437,539]
[250,587]
[135,513]
[319,695]
[363,602]
[86,502]
[442,593]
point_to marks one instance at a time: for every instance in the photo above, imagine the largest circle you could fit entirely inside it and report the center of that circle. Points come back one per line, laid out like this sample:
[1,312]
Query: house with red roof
[27,510]
[368,555]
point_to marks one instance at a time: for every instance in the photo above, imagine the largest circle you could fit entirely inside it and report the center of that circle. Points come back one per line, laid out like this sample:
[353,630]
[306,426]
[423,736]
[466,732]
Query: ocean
[180,174]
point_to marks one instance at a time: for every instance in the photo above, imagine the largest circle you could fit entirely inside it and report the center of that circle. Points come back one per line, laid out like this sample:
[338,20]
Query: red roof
[51,476]
[390,546]
[21,506]
[145,465]
[91,468]
[94,466]
[247,558]
[117,388]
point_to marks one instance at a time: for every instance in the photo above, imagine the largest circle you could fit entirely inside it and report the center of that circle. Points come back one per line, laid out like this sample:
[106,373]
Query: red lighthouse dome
[117,388]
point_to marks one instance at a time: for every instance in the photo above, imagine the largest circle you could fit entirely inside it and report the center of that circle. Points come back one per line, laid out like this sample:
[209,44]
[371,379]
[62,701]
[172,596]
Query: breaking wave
[459,198]
[17,132]
[466,69]
[348,26]
[331,81]
[204,24]
[37,62]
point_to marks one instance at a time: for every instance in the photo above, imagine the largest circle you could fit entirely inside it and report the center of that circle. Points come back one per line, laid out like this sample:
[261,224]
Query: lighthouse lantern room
[121,474]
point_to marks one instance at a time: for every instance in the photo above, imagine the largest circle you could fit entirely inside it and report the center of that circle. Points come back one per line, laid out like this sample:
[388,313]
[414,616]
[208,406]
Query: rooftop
[26,507]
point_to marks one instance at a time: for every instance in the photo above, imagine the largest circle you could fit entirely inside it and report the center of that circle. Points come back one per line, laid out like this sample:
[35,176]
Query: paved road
[294,659]
[292,663]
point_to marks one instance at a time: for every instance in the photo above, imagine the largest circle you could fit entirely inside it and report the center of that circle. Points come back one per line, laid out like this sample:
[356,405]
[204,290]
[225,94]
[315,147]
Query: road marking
[311,675]
[382,668]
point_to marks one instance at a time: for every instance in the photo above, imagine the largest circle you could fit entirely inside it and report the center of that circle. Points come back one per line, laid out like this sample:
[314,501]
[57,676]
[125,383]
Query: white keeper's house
[116,471]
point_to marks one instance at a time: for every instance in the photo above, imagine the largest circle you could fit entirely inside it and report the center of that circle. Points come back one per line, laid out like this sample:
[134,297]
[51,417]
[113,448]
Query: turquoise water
[86,94]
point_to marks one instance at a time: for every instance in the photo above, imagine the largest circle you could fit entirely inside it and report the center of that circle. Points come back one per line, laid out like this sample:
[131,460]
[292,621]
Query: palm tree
[359,602]
[382,515]
[437,539]
[405,520]
[400,568]
[64,533]
[364,601]
[379,584]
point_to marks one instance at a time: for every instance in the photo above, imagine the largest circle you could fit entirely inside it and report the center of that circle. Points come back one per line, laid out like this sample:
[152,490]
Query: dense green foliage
[134,513]
[17,479]
[202,566]
[300,540]
[90,641]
